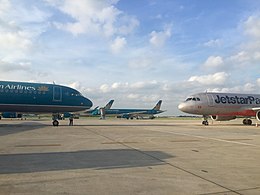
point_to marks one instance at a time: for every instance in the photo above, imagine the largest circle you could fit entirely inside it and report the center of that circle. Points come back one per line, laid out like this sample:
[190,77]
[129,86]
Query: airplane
[223,106]
[101,111]
[25,97]
[133,113]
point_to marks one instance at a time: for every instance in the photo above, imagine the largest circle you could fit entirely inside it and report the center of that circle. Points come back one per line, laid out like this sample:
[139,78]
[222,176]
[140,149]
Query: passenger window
[198,99]
[193,99]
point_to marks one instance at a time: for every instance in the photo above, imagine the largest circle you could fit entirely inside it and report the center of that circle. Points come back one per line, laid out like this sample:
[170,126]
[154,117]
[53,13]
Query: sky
[133,51]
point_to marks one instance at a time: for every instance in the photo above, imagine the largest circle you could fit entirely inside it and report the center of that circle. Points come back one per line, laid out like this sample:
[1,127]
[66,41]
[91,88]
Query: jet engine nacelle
[258,115]
[223,118]
[11,115]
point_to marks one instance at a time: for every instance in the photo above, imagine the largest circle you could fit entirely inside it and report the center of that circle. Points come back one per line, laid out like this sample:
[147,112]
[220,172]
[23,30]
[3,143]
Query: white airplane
[223,106]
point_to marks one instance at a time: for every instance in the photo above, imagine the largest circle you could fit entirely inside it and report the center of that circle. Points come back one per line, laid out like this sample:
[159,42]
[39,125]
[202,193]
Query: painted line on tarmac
[208,138]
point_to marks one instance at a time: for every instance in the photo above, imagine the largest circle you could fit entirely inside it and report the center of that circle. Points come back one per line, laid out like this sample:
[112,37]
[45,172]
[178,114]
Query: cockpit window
[188,99]
[192,99]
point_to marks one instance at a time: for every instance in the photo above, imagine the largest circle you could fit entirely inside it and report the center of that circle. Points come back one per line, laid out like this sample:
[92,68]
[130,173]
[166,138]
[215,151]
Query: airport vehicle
[133,113]
[223,106]
[22,97]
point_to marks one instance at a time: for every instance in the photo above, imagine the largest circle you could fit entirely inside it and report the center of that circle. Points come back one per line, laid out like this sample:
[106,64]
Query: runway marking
[119,142]
[209,138]
[185,140]
[38,145]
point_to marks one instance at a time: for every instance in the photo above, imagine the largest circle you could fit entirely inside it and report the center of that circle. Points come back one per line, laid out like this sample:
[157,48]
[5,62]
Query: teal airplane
[131,113]
[22,97]
[96,110]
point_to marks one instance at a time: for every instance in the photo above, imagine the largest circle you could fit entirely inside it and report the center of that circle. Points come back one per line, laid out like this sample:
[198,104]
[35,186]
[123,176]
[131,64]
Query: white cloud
[252,26]
[141,62]
[6,67]
[213,79]
[5,7]
[214,62]
[10,41]
[105,88]
[158,39]
[118,44]
[145,85]
[213,43]
[95,17]
[258,82]
[242,56]
[133,96]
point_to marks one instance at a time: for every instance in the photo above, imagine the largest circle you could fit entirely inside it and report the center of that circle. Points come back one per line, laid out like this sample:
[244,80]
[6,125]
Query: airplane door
[210,100]
[57,94]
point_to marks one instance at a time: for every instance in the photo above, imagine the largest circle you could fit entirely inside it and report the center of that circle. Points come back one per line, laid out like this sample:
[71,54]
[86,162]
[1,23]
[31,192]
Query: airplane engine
[11,115]
[258,115]
[223,118]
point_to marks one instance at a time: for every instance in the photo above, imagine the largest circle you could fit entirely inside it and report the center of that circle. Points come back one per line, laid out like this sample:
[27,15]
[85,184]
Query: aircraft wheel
[206,123]
[247,122]
[55,123]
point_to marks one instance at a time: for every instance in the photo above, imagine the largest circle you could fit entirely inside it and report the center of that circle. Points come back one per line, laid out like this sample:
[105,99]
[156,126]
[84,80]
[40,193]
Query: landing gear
[205,122]
[55,123]
[247,121]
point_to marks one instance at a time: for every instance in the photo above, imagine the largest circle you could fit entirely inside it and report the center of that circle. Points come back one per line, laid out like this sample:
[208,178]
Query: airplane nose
[182,107]
[87,102]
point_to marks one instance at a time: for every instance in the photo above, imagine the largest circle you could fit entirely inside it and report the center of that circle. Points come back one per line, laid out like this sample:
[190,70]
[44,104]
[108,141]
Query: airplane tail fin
[158,105]
[109,104]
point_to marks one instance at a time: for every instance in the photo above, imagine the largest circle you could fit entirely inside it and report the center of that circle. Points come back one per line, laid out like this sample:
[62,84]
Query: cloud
[118,44]
[213,43]
[105,88]
[133,96]
[240,57]
[258,82]
[158,39]
[218,78]
[5,7]
[252,26]
[142,62]
[6,67]
[214,62]
[94,17]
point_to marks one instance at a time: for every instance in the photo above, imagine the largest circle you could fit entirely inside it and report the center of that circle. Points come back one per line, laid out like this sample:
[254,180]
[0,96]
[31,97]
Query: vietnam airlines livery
[97,110]
[223,106]
[133,113]
[22,97]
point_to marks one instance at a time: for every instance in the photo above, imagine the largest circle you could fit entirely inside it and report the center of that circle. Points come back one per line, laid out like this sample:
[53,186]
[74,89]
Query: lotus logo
[43,88]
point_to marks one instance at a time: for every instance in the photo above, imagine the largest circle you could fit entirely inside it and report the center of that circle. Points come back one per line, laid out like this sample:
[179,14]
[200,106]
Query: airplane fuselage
[40,98]
[223,106]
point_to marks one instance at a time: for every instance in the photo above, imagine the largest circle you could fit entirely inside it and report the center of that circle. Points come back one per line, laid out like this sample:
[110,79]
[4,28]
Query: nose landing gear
[55,118]
[205,122]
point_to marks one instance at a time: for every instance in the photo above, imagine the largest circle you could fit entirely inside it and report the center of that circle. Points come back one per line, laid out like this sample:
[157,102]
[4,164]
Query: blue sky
[133,51]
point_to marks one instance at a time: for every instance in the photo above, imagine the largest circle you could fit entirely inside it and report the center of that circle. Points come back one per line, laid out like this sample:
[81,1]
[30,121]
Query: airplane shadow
[92,159]
[6,129]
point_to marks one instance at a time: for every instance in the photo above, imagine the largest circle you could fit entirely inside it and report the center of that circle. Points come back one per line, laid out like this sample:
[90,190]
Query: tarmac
[118,156]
